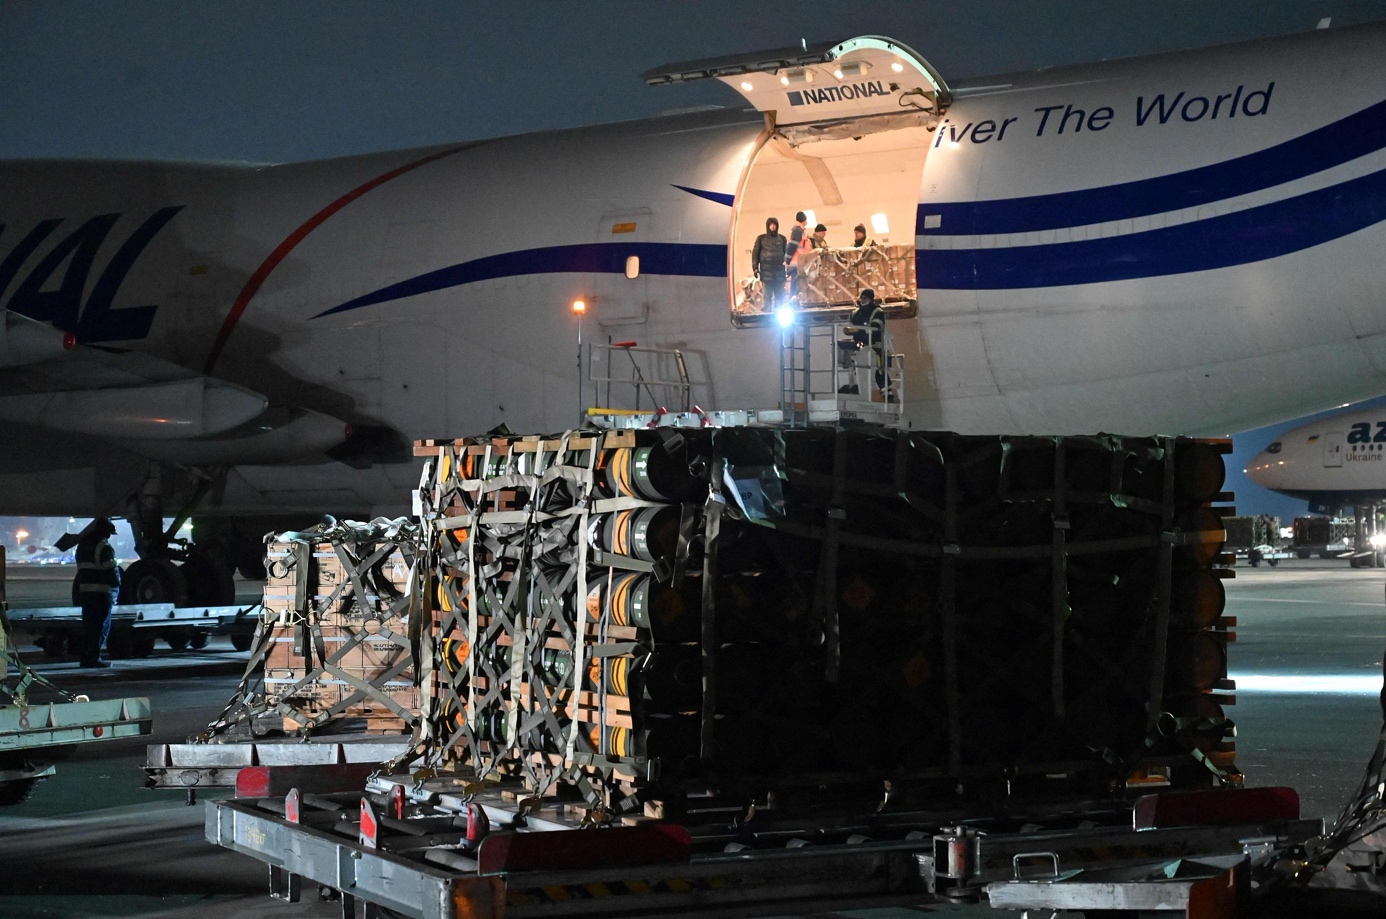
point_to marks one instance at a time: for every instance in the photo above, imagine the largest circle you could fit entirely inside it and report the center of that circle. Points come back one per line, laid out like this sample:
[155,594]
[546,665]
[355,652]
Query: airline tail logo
[51,295]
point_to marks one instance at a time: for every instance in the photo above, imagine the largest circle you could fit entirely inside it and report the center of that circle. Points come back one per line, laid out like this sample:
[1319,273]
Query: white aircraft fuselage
[1332,462]
[1184,243]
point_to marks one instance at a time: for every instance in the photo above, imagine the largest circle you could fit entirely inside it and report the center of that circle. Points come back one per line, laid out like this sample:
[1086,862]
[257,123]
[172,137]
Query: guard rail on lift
[828,376]
[644,380]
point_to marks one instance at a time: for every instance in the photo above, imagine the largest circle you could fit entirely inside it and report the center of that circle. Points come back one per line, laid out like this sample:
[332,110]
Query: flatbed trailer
[428,850]
[1255,555]
[136,627]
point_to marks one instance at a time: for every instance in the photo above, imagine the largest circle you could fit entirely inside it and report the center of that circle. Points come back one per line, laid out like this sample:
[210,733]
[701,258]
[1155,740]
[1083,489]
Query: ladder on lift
[819,385]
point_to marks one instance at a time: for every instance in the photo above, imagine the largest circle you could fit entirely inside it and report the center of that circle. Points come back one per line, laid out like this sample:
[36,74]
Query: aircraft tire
[153,580]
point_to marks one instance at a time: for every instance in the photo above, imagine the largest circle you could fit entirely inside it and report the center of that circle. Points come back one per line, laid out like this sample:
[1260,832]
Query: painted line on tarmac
[1316,602]
[1343,684]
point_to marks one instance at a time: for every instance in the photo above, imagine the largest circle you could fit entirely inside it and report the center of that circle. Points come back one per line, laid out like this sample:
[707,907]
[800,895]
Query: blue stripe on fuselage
[1331,145]
[717,197]
[1250,235]
[695,260]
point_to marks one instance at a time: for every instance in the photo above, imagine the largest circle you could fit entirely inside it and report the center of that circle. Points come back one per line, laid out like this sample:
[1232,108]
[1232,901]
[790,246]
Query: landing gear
[170,569]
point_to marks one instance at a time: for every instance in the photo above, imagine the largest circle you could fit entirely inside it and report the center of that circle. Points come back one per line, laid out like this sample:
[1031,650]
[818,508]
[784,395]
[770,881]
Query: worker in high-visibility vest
[95,587]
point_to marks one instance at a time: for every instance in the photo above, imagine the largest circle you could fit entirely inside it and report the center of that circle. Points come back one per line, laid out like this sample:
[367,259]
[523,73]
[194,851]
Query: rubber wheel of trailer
[53,644]
[15,792]
[178,639]
[153,580]
[1303,553]
[1272,562]
[141,644]
[242,641]
[199,639]
[118,643]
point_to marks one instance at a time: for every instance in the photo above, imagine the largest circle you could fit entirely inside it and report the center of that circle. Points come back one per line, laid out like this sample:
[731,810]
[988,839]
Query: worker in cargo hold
[95,587]
[767,263]
[859,239]
[819,239]
[798,242]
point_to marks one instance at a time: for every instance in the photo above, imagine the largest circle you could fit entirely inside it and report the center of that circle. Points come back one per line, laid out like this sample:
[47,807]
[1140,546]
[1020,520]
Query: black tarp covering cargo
[644,614]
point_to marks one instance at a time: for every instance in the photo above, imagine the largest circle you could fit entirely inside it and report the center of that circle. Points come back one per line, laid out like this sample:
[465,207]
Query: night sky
[278,81]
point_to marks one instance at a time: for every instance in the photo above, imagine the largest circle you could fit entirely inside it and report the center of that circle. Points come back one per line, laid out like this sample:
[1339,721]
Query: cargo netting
[631,618]
[333,652]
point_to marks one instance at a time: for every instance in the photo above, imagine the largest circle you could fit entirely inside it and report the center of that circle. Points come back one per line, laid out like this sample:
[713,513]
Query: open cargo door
[848,126]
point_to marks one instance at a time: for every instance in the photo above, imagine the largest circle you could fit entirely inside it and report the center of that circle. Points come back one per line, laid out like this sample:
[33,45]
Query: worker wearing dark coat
[869,319]
[95,587]
[767,262]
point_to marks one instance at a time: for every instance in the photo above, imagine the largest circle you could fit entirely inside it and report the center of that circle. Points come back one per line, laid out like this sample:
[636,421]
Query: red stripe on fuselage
[252,286]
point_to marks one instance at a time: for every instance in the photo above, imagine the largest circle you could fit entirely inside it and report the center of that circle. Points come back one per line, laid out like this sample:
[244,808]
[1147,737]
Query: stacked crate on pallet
[337,649]
[836,277]
[641,616]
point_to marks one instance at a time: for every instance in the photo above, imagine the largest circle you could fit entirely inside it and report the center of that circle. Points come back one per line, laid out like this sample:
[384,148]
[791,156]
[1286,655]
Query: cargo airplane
[1183,243]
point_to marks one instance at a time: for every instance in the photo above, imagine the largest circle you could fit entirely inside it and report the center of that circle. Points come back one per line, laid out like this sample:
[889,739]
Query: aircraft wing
[146,404]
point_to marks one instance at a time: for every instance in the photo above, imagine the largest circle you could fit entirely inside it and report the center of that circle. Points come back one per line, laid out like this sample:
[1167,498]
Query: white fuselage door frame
[1333,450]
[861,77]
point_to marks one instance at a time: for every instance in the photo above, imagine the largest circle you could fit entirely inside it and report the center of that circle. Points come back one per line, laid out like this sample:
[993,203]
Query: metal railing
[641,370]
[838,362]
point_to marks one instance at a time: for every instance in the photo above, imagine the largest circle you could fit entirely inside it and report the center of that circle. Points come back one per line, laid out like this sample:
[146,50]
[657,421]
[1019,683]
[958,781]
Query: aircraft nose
[1266,469]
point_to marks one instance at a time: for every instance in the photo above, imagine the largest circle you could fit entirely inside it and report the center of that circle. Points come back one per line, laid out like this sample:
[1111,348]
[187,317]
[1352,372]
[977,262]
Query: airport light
[746,85]
[20,536]
[579,307]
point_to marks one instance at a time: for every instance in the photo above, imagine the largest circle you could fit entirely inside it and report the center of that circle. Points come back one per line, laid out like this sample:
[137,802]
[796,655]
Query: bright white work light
[811,219]
[785,316]
[1377,540]
[879,224]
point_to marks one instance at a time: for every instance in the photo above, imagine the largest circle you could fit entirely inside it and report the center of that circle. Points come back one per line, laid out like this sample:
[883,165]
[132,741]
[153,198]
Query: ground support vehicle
[439,848]
[136,627]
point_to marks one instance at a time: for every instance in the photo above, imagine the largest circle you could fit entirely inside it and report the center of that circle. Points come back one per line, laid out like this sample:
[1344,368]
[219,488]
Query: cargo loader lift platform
[433,851]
